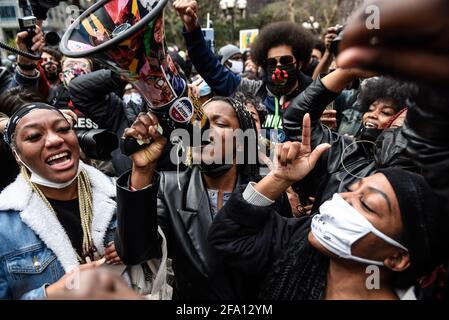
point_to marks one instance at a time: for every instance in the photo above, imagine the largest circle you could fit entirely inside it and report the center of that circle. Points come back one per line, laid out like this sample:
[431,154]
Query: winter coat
[35,250]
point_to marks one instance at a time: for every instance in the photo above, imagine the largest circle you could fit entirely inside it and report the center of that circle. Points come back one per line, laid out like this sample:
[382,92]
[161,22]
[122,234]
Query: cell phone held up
[28,24]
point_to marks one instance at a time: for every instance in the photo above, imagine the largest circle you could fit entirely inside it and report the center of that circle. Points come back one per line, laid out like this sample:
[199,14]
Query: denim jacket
[35,250]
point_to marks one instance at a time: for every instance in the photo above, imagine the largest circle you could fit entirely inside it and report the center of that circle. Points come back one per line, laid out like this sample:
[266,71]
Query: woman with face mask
[185,204]
[58,214]
[370,242]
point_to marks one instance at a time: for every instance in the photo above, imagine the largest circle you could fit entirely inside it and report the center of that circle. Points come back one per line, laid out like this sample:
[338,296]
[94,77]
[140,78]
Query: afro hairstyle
[283,33]
[386,88]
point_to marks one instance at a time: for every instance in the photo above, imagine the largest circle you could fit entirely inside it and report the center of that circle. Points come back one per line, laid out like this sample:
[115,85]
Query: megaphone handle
[129,146]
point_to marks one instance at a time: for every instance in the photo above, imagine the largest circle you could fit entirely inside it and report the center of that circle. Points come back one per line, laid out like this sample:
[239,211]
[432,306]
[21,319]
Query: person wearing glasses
[282,50]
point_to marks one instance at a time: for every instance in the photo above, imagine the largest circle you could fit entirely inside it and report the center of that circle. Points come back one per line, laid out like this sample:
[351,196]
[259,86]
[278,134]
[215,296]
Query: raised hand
[38,44]
[145,129]
[412,40]
[292,162]
[296,159]
[188,11]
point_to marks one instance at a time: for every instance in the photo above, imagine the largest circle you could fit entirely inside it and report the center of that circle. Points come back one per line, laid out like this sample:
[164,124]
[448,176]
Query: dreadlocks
[246,125]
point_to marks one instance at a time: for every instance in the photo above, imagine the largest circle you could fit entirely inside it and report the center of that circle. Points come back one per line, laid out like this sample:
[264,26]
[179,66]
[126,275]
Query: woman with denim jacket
[58,214]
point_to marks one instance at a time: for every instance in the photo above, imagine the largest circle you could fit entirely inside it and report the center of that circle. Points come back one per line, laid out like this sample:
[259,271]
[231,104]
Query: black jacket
[93,94]
[347,160]
[185,217]
[426,128]
[249,239]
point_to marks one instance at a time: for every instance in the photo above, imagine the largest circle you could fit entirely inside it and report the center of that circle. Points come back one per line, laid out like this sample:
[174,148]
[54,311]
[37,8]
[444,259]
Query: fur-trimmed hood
[19,196]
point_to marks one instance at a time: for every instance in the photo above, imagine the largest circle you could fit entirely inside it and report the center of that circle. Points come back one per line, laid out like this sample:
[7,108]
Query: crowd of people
[351,159]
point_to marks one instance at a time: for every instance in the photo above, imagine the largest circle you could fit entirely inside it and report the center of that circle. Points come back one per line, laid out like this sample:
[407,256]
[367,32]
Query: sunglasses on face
[283,60]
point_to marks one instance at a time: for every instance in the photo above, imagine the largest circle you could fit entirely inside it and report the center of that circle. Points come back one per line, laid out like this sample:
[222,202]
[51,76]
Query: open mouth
[60,161]
[370,125]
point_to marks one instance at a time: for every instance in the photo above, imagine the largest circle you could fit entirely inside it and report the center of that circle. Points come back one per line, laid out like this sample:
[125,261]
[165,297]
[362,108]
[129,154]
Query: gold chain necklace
[85,207]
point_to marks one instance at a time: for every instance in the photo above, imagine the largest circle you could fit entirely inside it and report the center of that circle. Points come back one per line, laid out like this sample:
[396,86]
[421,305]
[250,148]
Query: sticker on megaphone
[182,110]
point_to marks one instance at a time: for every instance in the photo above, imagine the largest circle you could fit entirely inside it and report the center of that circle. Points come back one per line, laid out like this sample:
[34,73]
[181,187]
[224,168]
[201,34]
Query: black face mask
[214,170]
[281,80]
[369,134]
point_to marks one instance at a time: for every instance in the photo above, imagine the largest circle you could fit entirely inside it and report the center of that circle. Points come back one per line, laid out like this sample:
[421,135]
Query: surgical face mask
[339,226]
[236,66]
[134,97]
[39,180]
[205,90]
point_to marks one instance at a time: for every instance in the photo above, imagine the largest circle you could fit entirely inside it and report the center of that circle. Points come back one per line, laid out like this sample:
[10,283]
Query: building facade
[57,20]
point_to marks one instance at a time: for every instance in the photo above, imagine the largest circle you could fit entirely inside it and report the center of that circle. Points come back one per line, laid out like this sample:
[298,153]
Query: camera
[28,24]
[97,143]
[337,40]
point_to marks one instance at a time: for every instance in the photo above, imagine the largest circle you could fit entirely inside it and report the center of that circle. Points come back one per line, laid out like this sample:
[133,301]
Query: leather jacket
[426,128]
[347,160]
[185,217]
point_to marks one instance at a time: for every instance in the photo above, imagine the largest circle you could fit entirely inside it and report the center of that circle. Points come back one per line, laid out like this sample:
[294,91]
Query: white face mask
[37,179]
[236,66]
[339,226]
[134,97]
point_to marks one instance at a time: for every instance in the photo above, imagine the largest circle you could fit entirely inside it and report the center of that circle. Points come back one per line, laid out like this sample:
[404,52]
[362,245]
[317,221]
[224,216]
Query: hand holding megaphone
[145,130]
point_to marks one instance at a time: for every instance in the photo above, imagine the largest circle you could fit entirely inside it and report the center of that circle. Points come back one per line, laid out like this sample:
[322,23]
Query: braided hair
[246,123]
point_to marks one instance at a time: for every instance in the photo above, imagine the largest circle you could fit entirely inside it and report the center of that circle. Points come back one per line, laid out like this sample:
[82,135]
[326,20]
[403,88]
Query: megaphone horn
[128,37]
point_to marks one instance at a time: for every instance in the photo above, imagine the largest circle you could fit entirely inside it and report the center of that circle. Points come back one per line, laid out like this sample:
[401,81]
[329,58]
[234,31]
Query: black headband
[19,114]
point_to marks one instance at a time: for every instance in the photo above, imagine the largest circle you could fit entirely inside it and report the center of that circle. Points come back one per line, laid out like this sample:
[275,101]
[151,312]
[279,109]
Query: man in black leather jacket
[347,160]
[184,214]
